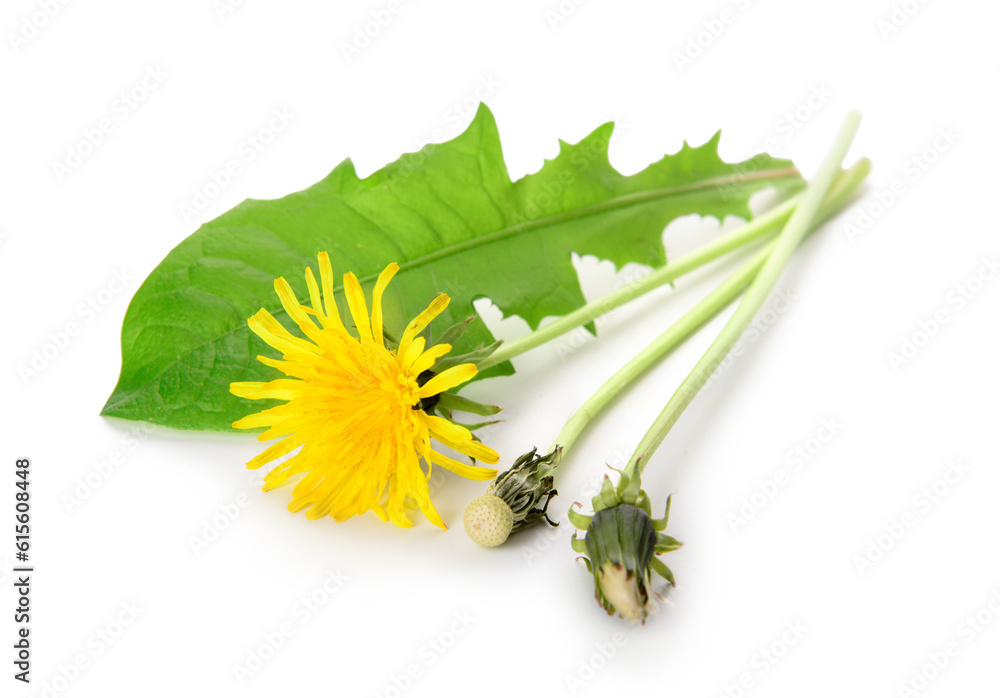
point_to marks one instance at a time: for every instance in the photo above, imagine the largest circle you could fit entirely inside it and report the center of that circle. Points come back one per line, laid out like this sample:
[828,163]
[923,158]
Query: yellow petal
[273,363]
[286,445]
[413,352]
[326,278]
[413,481]
[383,280]
[254,421]
[416,326]
[356,302]
[456,375]
[315,298]
[245,388]
[431,513]
[290,303]
[445,429]
[473,449]
[470,471]
[427,359]
[322,507]
[395,505]
[279,389]
[282,426]
[271,331]
[281,473]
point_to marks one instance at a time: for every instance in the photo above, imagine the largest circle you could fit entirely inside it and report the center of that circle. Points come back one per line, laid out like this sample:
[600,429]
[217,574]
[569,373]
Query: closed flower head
[360,410]
[622,544]
[517,498]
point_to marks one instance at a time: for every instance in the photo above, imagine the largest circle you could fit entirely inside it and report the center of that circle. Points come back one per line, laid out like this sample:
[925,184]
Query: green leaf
[453,220]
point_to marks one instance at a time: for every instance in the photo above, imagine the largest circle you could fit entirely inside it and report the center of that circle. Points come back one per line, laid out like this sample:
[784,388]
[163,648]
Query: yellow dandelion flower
[354,406]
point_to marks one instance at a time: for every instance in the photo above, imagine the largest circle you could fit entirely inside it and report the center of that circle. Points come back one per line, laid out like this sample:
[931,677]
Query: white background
[530,620]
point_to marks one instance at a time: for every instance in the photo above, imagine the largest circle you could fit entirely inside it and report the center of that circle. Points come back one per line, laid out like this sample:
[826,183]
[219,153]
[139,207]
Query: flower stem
[761,226]
[704,311]
[798,225]
[846,184]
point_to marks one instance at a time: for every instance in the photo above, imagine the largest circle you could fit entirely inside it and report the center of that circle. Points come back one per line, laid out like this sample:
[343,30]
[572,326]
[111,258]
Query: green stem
[845,186]
[704,311]
[762,226]
[795,229]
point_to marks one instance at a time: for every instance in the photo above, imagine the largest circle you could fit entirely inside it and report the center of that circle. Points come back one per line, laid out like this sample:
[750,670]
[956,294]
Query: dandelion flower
[360,410]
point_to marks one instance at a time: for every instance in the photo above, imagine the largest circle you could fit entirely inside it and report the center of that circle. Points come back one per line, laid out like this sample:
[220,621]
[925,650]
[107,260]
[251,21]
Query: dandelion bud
[524,486]
[516,496]
[622,543]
